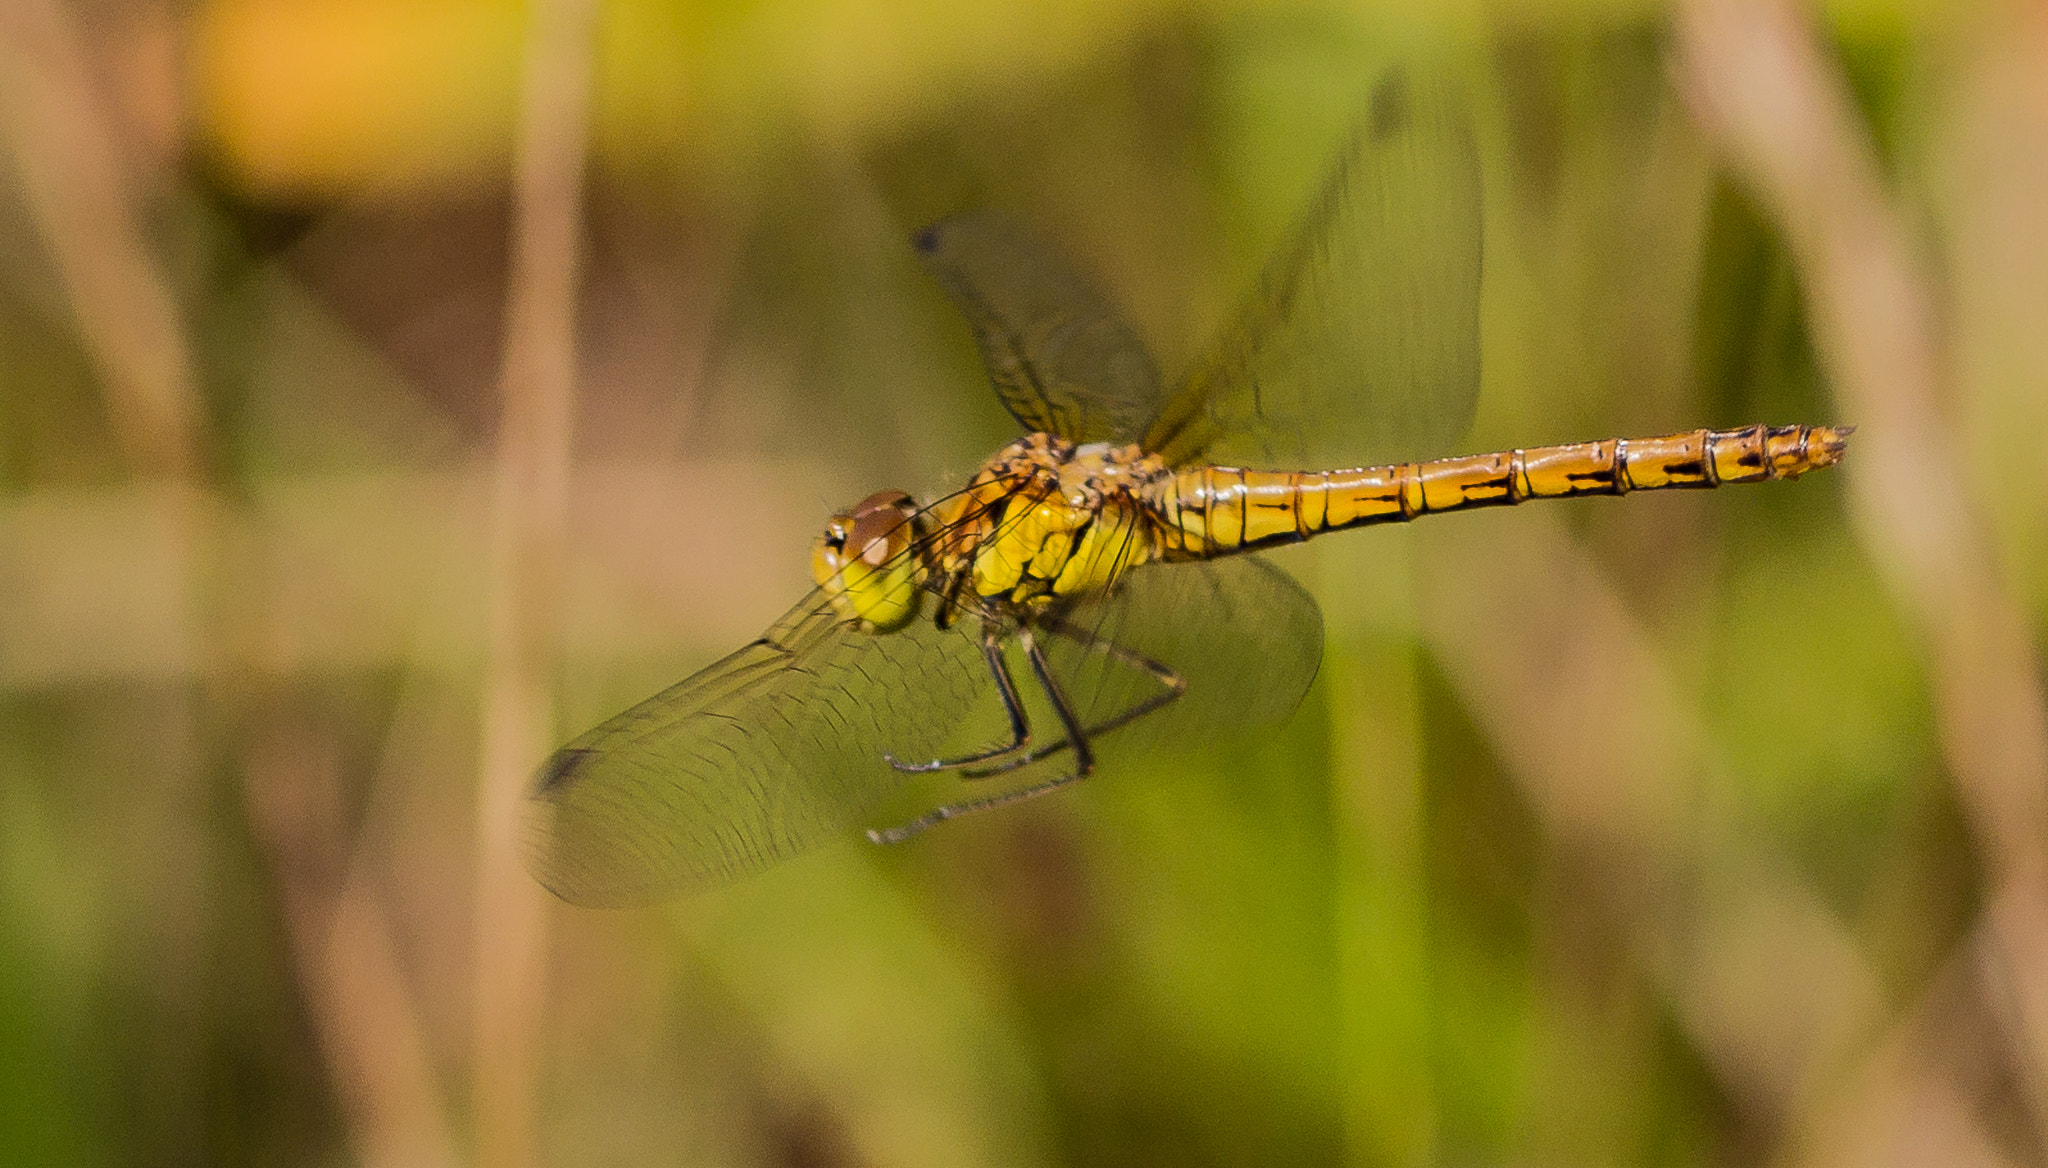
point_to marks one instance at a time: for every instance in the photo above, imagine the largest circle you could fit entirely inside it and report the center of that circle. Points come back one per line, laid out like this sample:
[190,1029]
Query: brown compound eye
[879,527]
[861,560]
[883,501]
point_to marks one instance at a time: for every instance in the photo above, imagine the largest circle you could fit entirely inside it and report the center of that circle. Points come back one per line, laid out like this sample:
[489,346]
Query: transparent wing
[1361,342]
[1244,636]
[1241,634]
[785,743]
[1061,358]
[767,753]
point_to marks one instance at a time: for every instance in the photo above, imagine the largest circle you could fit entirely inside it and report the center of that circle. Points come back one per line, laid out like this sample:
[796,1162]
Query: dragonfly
[1095,585]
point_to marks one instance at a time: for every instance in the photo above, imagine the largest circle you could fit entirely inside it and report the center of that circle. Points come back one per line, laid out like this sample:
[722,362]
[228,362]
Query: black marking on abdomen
[1603,478]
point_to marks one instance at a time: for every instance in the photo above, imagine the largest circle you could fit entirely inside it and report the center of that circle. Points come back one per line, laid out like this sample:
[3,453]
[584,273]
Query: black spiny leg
[1173,686]
[1020,725]
[1084,758]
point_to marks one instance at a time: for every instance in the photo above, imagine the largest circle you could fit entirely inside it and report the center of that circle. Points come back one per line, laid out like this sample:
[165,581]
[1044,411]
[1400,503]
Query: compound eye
[881,528]
[862,561]
[894,503]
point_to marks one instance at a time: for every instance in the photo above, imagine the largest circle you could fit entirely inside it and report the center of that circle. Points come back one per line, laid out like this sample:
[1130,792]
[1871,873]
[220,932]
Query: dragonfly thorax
[1044,519]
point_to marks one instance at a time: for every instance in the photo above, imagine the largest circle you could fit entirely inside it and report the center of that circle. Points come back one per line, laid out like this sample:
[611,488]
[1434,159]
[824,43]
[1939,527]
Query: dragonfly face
[863,562]
[1092,576]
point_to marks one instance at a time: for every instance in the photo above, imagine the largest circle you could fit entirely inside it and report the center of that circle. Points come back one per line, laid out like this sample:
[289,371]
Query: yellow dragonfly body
[1107,551]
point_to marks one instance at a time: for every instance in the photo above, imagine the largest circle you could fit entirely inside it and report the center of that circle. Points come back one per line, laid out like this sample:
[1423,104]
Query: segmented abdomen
[1215,510]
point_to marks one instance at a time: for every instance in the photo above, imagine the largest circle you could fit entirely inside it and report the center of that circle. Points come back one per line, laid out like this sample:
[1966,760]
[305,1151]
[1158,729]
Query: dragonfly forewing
[1360,342]
[797,737]
[768,753]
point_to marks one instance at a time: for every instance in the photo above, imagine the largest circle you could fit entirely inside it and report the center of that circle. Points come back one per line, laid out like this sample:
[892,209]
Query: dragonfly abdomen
[1215,510]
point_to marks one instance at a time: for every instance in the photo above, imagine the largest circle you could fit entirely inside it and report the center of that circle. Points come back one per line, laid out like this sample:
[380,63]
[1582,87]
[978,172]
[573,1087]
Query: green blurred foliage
[1363,941]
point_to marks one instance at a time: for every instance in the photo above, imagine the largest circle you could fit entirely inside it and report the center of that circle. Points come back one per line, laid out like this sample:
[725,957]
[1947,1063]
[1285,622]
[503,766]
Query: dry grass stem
[69,159]
[1617,764]
[341,938]
[537,381]
[1763,87]
[1914,1097]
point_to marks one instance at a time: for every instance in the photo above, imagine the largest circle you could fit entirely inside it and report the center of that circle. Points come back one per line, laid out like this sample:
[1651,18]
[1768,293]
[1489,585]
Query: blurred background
[390,389]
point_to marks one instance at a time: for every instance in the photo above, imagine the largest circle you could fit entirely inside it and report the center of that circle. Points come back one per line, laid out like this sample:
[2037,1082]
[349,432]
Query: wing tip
[561,770]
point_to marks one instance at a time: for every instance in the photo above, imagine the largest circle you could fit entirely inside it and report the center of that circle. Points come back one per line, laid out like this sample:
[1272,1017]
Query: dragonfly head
[865,561]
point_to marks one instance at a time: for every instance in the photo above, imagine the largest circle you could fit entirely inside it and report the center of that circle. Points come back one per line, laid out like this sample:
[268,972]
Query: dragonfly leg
[1084,760]
[1171,683]
[1020,725]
